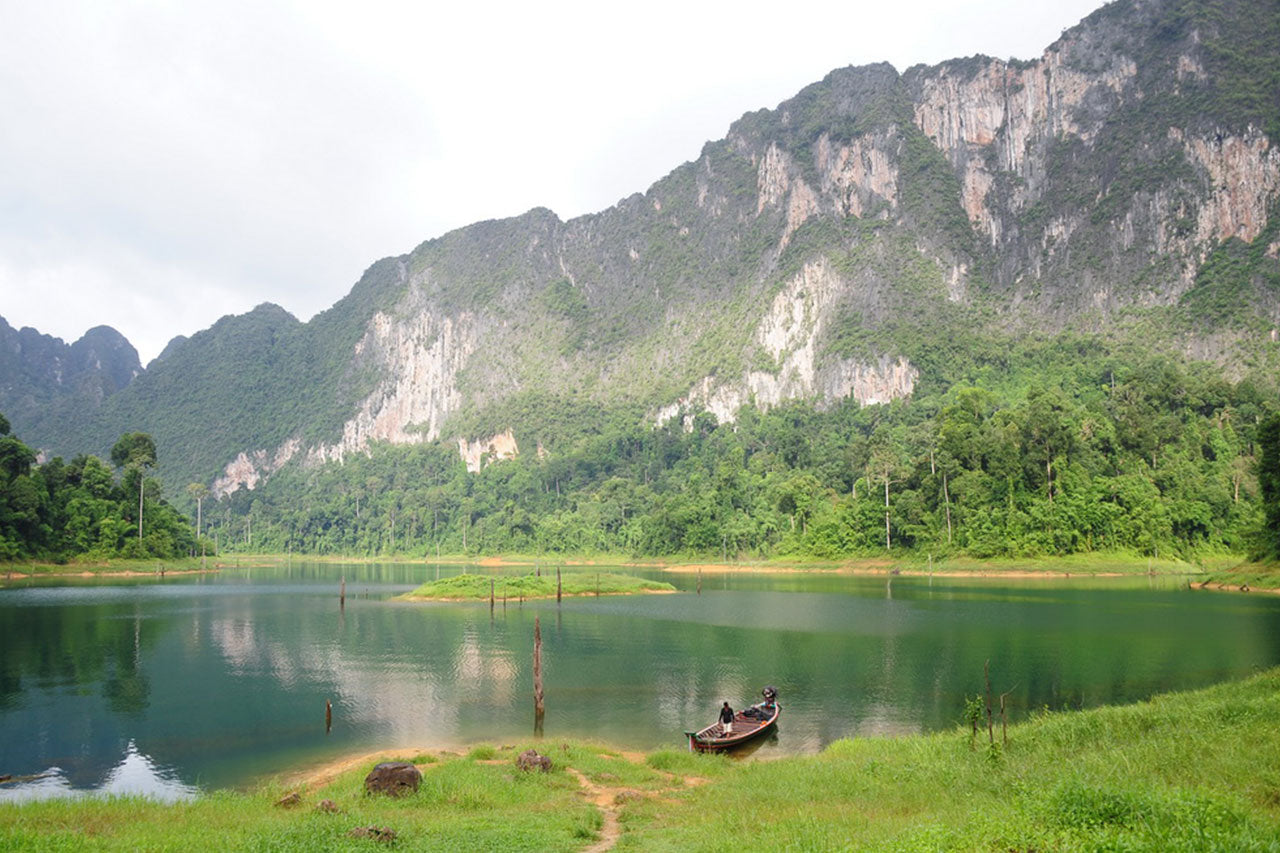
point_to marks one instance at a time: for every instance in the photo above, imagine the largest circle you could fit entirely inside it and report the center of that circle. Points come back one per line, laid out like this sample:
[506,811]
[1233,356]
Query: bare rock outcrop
[393,778]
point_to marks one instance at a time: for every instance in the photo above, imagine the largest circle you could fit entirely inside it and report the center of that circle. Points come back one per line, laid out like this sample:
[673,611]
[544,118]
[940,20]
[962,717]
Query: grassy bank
[480,587]
[1096,562]
[84,567]
[1093,563]
[1190,771]
[1253,575]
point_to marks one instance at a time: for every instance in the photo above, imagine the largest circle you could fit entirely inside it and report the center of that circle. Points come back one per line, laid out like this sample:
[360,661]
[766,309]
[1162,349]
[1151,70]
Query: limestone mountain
[876,232]
[44,380]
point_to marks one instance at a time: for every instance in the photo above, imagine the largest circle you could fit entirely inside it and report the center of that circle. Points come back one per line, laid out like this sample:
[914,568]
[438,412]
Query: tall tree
[1269,481]
[136,450]
[198,492]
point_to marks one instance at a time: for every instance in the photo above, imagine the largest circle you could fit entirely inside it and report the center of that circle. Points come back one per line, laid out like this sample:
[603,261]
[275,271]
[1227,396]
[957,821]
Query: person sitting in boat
[726,718]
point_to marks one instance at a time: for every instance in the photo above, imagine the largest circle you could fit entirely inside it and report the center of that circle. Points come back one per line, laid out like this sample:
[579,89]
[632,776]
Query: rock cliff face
[823,250]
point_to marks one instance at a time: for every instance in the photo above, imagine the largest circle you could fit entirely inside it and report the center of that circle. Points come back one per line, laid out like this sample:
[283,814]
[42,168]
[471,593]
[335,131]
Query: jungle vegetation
[1071,453]
[61,510]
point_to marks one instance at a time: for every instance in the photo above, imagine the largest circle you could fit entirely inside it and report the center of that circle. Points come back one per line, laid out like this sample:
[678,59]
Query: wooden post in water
[699,580]
[504,595]
[539,707]
[558,588]
[1004,724]
[328,716]
[986,674]
[342,594]
[597,584]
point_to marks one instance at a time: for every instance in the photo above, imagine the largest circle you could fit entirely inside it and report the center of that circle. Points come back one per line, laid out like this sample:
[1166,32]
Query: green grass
[1183,771]
[1258,575]
[1085,564]
[461,805]
[1193,771]
[477,587]
[81,565]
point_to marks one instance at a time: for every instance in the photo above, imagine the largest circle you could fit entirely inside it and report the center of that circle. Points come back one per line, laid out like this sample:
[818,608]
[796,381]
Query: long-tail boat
[748,724]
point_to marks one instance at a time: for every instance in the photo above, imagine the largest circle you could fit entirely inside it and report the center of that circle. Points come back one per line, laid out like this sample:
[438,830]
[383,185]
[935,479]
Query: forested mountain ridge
[43,378]
[880,236]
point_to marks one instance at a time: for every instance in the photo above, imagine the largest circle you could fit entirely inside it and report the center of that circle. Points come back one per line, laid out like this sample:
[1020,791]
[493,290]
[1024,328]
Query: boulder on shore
[531,758]
[393,778]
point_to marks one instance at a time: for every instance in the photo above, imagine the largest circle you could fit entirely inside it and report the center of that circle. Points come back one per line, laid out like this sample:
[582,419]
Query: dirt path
[610,799]
[605,799]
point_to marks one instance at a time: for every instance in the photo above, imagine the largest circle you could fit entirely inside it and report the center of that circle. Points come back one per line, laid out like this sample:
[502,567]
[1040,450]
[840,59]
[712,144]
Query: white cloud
[164,163]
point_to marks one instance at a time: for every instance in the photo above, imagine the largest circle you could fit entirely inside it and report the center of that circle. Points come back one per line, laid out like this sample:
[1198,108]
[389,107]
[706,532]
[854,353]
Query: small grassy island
[479,587]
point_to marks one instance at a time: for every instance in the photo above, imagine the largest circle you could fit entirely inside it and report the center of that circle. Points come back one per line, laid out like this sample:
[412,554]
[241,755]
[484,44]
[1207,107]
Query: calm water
[216,680]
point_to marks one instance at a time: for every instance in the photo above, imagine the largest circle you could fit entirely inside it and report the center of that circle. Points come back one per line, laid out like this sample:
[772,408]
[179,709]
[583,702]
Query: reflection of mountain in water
[135,775]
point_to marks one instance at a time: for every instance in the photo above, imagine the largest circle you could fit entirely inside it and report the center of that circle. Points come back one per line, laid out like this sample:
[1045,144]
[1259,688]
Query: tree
[887,465]
[1269,481]
[135,450]
[198,492]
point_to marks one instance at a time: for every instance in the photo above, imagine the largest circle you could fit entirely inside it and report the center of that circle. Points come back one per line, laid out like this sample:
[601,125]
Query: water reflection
[135,775]
[222,678]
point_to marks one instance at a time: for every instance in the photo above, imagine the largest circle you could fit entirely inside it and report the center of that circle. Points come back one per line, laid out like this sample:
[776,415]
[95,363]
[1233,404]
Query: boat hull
[745,730]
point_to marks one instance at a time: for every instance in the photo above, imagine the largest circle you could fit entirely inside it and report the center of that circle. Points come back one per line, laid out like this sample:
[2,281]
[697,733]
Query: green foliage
[1269,482]
[57,511]
[134,449]
[1234,274]
[974,711]
[1053,447]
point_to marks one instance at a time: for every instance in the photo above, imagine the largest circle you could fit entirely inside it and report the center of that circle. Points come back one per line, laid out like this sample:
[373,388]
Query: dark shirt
[726,715]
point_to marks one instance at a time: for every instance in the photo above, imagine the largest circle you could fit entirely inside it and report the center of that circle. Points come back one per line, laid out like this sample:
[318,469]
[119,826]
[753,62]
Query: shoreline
[79,572]
[1131,775]
[1215,572]
[505,599]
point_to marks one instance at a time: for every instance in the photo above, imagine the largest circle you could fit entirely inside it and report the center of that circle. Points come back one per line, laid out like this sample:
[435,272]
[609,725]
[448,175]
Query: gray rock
[393,778]
[530,758]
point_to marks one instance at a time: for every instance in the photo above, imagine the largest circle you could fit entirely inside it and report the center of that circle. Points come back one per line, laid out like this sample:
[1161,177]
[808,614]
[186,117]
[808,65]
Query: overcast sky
[163,164]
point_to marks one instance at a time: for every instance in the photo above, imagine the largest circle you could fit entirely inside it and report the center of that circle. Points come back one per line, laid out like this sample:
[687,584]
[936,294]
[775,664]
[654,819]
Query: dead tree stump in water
[986,674]
[539,707]
[1004,723]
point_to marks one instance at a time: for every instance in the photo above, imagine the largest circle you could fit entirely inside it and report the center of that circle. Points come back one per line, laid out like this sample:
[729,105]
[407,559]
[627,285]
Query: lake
[217,680]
